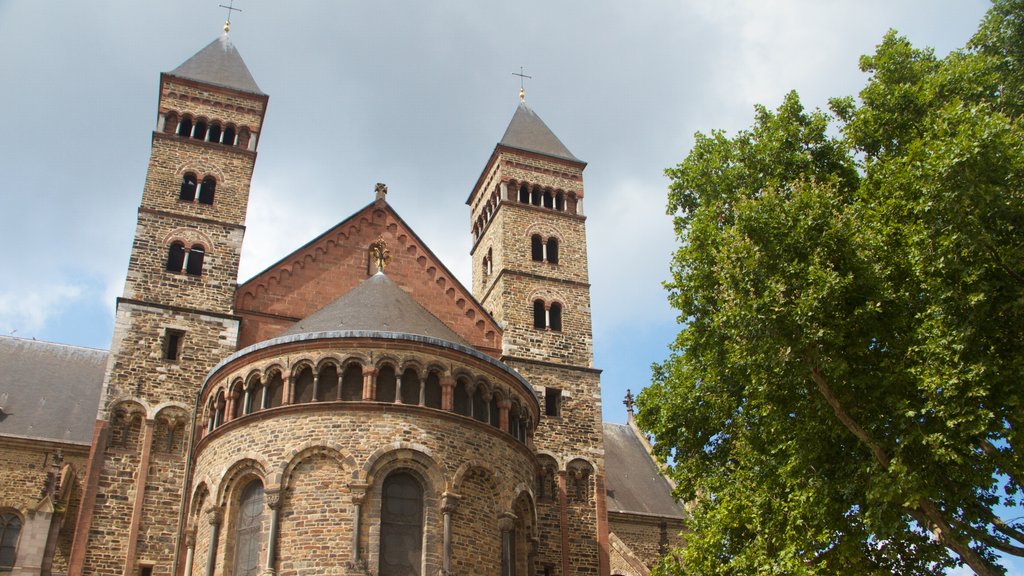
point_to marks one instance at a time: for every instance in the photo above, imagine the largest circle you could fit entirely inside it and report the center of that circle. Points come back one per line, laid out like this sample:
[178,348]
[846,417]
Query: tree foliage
[845,395]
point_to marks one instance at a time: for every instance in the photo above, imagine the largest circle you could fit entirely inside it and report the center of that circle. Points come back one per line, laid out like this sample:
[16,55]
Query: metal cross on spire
[230,8]
[522,87]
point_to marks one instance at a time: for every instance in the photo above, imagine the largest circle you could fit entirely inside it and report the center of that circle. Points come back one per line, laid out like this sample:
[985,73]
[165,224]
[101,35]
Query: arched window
[352,383]
[215,132]
[275,391]
[207,189]
[248,527]
[539,320]
[175,257]
[386,381]
[536,248]
[229,136]
[494,412]
[555,314]
[327,383]
[194,266]
[185,127]
[479,404]
[188,187]
[200,132]
[410,387]
[171,123]
[255,395]
[552,252]
[560,202]
[432,395]
[401,526]
[524,194]
[220,406]
[460,398]
[10,531]
[304,386]
[238,408]
[535,197]
[548,200]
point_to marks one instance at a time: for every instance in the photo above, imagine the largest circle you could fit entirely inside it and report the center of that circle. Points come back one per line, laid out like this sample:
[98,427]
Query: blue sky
[413,94]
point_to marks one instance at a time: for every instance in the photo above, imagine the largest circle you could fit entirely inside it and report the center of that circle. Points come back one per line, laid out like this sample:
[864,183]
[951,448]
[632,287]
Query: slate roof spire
[219,64]
[528,132]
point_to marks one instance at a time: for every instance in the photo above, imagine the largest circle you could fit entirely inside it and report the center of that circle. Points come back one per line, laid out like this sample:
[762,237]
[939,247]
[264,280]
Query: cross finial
[522,87]
[230,8]
[629,401]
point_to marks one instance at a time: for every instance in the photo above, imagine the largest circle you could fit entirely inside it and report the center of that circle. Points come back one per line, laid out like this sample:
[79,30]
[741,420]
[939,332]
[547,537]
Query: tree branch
[926,514]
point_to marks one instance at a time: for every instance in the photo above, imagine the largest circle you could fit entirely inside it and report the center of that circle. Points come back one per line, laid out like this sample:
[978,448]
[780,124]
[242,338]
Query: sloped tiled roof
[219,64]
[634,483]
[528,132]
[49,391]
[376,304]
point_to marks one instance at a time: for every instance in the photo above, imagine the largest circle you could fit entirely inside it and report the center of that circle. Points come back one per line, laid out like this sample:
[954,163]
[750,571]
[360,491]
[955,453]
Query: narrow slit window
[536,248]
[553,250]
[172,344]
[175,257]
[524,194]
[552,401]
[539,321]
[555,314]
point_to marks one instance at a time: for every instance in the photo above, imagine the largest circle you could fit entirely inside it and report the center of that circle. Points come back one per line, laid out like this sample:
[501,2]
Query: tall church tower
[530,272]
[175,320]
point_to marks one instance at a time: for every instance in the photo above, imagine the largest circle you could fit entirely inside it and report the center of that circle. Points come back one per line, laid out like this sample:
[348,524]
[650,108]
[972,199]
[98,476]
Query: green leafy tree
[846,395]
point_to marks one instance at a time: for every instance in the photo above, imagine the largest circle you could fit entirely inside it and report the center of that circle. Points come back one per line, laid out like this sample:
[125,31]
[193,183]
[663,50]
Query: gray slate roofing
[376,304]
[49,391]
[528,132]
[634,483]
[219,64]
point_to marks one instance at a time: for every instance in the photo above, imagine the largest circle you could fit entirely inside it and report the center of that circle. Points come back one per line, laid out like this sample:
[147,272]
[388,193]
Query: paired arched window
[547,316]
[10,531]
[190,185]
[191,260]
[544,251]
[206,190]
[248,527]
[200,129]
[401,526]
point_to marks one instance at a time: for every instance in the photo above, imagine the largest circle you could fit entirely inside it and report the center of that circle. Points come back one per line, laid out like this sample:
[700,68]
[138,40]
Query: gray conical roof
[219,64]
[528,132]
[377,305]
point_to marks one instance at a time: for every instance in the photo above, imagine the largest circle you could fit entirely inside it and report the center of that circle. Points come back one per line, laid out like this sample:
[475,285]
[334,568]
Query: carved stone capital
[190,538]
[215,515]
[357,567]
[357,492]
[449,502]
[506,521]
[273,499]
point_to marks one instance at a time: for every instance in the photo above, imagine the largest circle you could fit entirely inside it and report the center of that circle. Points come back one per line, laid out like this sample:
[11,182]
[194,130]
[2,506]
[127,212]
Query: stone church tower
[175,319]
[530,272]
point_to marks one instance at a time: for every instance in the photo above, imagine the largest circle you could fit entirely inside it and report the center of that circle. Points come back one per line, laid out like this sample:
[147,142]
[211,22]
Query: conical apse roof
[219,64]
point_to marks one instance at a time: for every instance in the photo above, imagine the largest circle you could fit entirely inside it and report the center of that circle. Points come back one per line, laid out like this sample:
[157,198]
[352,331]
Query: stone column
[288,394]
[232,400]
[190,550]
[264,396]
[357,564]
[398,388]
[447,393]
[423,391]
[140,489]
[247,400]
[273,500]
[215,517]
[316,387]
[507,523]
[369,383]
[449,502]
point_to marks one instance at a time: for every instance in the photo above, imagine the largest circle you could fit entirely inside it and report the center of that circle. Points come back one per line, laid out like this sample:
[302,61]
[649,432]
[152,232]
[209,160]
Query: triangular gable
[338,260]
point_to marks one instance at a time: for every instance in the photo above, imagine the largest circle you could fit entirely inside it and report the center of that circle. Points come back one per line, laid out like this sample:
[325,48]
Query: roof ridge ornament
[380,253]
[230,8]
[522,87]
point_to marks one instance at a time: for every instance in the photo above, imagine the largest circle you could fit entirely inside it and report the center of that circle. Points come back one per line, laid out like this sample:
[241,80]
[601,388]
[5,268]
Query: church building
[352,409]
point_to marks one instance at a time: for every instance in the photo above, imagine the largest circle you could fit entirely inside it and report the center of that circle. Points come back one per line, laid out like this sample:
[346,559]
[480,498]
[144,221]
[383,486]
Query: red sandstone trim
[603,561]
[140,498]
[563,520]
[92,483]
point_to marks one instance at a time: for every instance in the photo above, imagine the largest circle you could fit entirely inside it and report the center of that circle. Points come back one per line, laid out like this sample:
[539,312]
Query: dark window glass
[215,132]
[539,317]
[194,266]
[172,344]
[304,386]
[207,189]
[401,526]
[535,197]
[188,187]
[494,412]
[200,132]
[555,315]
[524,194]
[410,387]
[275,391]
[479,405]
[229,136]
[536,248]
[560,202]
[185,128]
[10,531]
[432,395]
[352,383]
[248,526]
[386,384]
[548,200]
[460,399]
[552,401]
[553,250]
[175,257]
[255,396]
[327,386]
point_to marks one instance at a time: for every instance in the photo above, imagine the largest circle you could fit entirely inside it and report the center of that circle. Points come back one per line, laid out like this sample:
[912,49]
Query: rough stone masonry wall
[148,279]
[572,345]
[450,451]
[25,465]
[212,103]
[644,534]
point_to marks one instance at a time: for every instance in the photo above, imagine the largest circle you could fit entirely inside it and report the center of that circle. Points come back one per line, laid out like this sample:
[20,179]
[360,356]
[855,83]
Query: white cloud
[26,312]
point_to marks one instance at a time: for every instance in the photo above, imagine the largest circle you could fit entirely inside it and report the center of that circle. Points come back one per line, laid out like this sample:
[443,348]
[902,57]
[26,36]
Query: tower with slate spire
[175,319]
[530,272]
